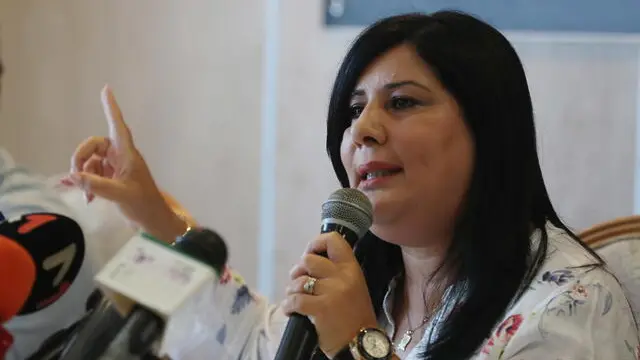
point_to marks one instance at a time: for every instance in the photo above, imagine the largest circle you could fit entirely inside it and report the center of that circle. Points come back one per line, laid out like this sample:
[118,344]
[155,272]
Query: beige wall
[203,63]
[187,74]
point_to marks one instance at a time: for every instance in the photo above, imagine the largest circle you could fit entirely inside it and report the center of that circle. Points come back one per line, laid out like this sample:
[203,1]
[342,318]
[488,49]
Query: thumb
[110,189]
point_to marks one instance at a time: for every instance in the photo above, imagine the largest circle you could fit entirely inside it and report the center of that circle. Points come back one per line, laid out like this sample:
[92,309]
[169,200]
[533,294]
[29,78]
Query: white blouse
[23,192]
[571,311]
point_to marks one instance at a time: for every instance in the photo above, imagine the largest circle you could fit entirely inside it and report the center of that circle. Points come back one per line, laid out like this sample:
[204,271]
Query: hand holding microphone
[328,285]
[338,302]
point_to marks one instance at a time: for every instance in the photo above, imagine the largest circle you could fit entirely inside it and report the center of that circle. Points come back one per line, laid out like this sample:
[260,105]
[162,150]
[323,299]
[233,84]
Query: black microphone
[349,213]
[56,245]
[203,245]
[110,335]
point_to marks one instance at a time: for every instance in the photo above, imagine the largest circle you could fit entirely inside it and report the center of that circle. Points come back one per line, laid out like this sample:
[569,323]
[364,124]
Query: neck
[420,263]
[420,266]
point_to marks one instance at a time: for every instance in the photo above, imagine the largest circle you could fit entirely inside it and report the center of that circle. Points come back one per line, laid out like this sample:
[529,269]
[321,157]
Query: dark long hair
[491,251]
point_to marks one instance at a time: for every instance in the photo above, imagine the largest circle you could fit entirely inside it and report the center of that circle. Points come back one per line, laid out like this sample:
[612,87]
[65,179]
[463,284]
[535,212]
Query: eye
[355,111]
[403,103]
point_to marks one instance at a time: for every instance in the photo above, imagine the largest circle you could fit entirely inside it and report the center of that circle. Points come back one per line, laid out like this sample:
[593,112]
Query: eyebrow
[394,85]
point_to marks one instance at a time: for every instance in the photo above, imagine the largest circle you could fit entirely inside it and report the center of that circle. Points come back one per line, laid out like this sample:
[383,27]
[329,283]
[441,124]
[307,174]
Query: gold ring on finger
[309,285]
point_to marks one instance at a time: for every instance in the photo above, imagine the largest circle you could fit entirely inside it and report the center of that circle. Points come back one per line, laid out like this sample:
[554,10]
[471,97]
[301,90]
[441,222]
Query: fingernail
[104,94]
[66,182]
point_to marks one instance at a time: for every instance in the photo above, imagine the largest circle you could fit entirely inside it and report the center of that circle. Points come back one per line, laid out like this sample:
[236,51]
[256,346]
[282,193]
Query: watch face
[376,344]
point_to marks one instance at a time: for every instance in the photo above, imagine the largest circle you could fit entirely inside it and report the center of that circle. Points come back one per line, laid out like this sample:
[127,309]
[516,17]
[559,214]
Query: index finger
[119,132]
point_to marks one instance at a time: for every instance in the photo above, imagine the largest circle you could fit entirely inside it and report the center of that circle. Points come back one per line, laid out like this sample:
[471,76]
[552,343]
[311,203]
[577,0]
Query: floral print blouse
[573,310]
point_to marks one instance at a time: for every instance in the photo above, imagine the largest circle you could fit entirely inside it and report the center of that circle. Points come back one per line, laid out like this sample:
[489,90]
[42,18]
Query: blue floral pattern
[243,298]
[222,334]
[558,277]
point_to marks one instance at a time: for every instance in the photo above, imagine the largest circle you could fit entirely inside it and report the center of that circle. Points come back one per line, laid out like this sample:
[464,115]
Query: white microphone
[152,283]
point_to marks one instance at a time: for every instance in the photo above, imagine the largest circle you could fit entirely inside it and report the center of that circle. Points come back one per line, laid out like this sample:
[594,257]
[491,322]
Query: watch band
[356,344]
[344,354]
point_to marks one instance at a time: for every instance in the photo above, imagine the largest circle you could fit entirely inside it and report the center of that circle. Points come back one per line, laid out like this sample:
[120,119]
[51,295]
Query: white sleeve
[586,319]
[22,192]
[237,325]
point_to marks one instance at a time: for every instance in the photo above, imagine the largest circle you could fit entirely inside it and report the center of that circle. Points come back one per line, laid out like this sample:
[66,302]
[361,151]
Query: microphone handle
[136,337]
[300,339]
[96,334]
[145,329]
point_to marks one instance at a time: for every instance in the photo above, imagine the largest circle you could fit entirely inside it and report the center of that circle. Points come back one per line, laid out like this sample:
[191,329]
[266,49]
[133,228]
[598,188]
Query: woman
[431,118]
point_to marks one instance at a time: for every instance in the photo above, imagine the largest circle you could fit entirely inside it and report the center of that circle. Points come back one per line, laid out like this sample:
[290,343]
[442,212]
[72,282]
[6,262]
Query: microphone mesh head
[349,206]
[204,245]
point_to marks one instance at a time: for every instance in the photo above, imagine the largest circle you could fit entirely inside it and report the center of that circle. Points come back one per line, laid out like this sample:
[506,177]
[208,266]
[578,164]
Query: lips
[373,172]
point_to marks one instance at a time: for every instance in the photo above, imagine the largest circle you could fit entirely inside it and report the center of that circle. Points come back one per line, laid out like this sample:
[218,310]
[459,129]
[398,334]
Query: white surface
[154,276]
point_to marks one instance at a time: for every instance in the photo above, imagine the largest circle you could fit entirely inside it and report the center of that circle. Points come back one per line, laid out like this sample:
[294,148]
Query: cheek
[347,151]
[455,164]
[445,158]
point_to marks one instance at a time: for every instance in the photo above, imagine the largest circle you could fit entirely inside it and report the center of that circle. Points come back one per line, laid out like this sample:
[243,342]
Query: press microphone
[98,311]
[349,213]
[17,276]
[54,246]
[148,282]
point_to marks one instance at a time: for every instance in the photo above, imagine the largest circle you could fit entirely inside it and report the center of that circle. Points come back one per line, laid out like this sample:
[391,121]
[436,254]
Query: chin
[395,235]
[388,234]
[387,224]
[393,221]
[387,205]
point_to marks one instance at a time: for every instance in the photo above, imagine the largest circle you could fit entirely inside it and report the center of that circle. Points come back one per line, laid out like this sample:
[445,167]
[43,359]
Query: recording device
[349,213]
[96,308]
[147,282]
[55,244]
[41,255]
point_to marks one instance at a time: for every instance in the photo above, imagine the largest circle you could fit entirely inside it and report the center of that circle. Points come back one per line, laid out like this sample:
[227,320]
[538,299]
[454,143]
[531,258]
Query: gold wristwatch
[371,344]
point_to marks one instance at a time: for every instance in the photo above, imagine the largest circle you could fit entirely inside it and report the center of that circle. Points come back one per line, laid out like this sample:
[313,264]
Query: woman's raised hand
[112,168]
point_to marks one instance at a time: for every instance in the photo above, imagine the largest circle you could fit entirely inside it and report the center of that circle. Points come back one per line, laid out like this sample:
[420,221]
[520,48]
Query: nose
[368,128]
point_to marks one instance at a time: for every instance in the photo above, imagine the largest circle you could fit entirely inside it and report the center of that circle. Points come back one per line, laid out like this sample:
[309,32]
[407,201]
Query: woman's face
[408,149]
